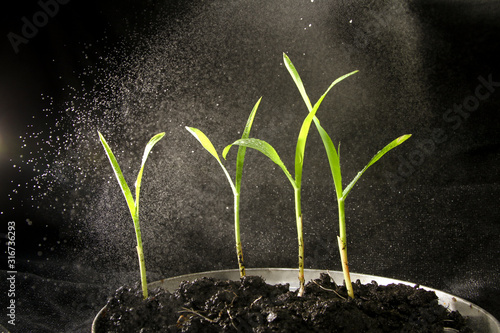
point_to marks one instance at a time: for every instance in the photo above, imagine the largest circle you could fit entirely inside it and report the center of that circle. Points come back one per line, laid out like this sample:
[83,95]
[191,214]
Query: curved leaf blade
[251,117]
[298,81]
[300,86]
[301,142]
[381,153]
[138,181]
[119,176]
[330,148]
[333,159]
[204,140]
[266,149]
[301,146]
[240,158]
[207,144]
[333,84]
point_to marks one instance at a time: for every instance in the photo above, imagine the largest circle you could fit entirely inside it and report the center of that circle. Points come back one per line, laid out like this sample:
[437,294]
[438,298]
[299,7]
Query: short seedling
[236,186]
[133,205]
[334,162]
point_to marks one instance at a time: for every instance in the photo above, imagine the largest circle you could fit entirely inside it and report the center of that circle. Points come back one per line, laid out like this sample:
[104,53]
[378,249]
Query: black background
[428,212]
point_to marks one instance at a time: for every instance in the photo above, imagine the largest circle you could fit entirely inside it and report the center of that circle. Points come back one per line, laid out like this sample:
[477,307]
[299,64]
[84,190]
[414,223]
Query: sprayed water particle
[171,78]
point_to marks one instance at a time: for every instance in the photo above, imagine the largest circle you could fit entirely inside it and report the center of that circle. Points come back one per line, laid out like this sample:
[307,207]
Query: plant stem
[300,238]
[142,262]
[342,241]
[239,249]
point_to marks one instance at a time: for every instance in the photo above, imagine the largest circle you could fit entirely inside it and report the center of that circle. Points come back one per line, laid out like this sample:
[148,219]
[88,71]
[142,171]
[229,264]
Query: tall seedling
[296,182]
[236,186]
[334,162]
[133,205]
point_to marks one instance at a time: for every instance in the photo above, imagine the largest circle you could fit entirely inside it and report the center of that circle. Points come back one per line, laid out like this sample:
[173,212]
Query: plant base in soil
[251,305]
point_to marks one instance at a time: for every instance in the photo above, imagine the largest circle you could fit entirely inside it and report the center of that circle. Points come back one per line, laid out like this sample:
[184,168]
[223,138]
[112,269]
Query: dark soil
[251,305]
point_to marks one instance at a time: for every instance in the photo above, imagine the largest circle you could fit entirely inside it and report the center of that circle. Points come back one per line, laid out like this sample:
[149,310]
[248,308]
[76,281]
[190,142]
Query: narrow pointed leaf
[320,100]
[147,150]
[331,152]
[266,149]
[226,151]
[301,146]
[381,153]
[333,156]
[207,144]
[298,81]
[300,86]
[333,159]
[334,83]
[301,142]
[119,176]
[240,158]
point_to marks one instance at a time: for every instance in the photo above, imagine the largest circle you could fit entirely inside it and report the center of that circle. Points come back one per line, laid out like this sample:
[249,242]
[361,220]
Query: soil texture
[251,305]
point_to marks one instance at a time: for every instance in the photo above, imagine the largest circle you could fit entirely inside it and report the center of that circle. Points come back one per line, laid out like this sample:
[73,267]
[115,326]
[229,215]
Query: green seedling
[296,182]
[133,205]
[266,149]
[236,186]
[334,162]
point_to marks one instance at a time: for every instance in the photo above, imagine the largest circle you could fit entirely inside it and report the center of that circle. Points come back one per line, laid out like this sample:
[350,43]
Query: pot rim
[480,319]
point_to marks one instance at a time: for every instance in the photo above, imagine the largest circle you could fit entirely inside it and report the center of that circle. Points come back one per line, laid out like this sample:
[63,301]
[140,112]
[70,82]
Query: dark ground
[251,305]
[427,213]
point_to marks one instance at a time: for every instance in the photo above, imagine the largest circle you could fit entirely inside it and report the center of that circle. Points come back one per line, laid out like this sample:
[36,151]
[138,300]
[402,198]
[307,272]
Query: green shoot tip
[403,138]
[225,151]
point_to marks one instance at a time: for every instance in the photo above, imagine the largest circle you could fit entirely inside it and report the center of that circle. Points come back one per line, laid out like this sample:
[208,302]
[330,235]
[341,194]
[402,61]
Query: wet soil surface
[251,305]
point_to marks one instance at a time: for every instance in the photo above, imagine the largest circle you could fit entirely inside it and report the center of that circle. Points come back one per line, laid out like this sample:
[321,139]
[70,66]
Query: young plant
[236,186]
[296,182]
[133,205]
[334,161]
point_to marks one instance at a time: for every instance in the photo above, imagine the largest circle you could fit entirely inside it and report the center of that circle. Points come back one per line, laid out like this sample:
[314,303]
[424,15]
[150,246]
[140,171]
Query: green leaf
[300,86]
[298,81]
[334,83]
[205,142]
[333,159]
[240,158]
[226,151]
[301,142]
[301,146]
[133,206]
[246,131]
[266,149]
[381,153]
[147,150]
[119,176]
[330,148]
